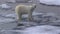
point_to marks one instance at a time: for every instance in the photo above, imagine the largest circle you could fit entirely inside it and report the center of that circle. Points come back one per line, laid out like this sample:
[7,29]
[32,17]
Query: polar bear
[24,9]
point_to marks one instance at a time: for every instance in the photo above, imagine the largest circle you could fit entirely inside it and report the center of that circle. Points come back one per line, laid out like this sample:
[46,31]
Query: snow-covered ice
[44,29]
[50,2]
[5,6]
[11,1]
[7,23]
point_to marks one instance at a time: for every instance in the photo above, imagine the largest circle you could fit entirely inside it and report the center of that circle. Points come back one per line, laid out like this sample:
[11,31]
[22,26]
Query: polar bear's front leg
[30,18]
[19,16]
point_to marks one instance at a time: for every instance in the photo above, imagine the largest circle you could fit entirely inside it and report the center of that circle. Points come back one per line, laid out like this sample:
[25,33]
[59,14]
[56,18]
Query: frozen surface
[5,6]
[11,1]
[38,18]
[8,17]
[44,29]
[23,1]
[7,23]
[50,2]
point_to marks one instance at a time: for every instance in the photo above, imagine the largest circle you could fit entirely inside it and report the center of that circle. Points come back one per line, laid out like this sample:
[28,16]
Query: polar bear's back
[23,8]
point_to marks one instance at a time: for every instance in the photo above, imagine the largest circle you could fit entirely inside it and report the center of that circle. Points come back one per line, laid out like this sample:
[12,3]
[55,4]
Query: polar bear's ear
[33,6]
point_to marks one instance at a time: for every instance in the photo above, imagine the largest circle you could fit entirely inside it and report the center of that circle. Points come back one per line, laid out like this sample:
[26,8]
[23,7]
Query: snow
[44,29]
[12,1]
[50,2]
[7,23]
[5,6]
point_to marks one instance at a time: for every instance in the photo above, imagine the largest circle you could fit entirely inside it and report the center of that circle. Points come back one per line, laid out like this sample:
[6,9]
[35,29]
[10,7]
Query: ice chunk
[5,6]
[50,2]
